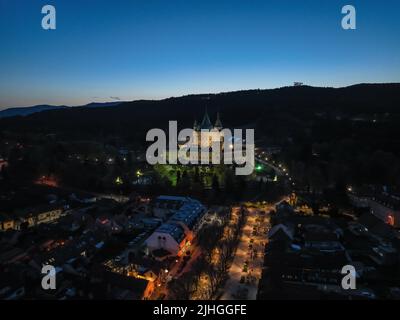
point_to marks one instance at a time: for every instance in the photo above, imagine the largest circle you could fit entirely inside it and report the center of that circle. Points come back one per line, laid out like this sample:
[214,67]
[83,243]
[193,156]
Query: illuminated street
[246,268]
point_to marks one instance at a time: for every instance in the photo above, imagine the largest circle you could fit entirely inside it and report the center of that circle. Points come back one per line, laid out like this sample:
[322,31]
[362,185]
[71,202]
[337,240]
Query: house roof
[174,230]
[189,213]
[135,285]
[376,225]
[281,228]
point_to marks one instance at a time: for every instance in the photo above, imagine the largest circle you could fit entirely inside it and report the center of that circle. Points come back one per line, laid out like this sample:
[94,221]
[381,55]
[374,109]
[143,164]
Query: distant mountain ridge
[26,111]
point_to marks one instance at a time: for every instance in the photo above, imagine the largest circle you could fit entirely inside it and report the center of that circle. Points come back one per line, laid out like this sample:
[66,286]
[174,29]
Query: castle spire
[218,123]
[195,125]
[206,123]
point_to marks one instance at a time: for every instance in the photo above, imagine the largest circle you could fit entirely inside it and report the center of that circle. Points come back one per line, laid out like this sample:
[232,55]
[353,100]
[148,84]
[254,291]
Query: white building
[165,206]
[169,237]
[176,234]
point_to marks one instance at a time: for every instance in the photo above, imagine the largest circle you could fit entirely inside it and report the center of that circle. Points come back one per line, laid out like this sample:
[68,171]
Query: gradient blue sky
[155,49]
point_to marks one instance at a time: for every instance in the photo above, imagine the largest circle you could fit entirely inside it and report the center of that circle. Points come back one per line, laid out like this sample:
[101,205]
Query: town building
[383,205]
[164,207]
[3,164]
[30,217]
[387,208]
[122,287]
[169,237]
[176,234]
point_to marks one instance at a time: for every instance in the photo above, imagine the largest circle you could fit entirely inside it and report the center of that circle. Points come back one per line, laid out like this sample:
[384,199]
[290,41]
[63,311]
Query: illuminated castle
[206,133]
[206,140]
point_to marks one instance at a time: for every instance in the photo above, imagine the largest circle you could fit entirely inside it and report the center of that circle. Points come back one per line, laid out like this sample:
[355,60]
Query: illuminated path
[277,170]
[233,285]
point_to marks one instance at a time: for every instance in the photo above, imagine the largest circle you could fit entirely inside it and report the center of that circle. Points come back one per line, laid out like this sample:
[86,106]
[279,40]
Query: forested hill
[290,105]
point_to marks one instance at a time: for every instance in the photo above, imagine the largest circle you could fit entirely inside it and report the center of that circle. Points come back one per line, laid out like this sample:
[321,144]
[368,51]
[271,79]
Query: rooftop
[189,213]
[174,230]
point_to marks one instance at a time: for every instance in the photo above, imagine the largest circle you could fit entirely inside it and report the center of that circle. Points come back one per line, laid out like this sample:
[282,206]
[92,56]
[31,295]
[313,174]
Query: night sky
[124,49]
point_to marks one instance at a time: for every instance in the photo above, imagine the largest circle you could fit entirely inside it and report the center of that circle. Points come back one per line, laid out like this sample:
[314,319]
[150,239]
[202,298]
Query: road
[277,170]
[175,269]
[243,281]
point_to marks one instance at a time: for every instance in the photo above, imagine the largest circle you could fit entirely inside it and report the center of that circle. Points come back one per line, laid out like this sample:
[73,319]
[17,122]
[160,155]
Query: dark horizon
[201,94]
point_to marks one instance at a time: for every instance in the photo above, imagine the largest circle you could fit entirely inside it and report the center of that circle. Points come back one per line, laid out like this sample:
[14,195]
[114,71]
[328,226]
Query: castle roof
[196,125]
[206,123]
[218,123]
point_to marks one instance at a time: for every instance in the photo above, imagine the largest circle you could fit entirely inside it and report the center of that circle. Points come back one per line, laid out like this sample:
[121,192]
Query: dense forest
[329,137]
[276,110]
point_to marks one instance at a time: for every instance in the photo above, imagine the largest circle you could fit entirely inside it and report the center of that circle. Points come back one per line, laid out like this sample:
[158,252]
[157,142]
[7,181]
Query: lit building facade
[176,235]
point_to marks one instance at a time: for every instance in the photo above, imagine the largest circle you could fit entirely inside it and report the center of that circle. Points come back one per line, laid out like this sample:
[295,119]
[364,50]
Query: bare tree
[183,287]
[207,239]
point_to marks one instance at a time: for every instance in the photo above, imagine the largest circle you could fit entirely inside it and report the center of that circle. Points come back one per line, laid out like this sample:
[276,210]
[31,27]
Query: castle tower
[218,123]
[196,126]
[206,123]
[206,139]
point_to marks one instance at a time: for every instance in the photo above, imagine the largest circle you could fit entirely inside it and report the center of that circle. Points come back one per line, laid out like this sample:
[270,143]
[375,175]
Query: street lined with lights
[246,269]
